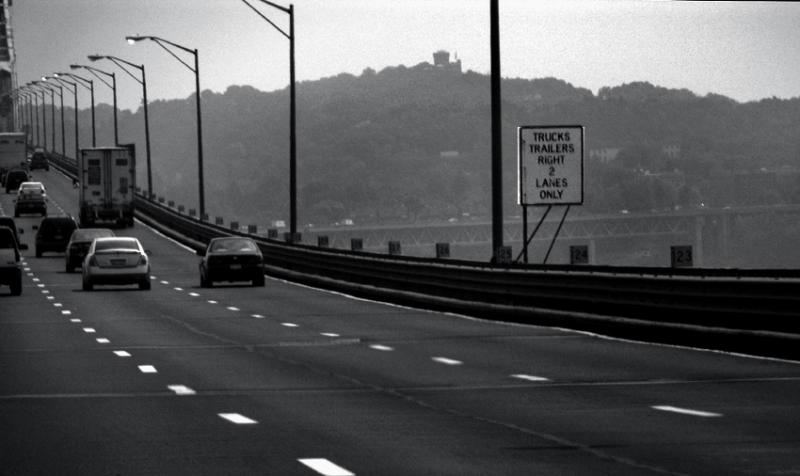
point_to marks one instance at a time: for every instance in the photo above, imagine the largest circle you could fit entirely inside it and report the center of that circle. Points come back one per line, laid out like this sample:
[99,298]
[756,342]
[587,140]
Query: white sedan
[116,260]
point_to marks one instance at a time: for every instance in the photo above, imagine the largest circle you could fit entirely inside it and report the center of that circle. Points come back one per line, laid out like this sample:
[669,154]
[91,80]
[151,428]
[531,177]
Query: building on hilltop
[441,59]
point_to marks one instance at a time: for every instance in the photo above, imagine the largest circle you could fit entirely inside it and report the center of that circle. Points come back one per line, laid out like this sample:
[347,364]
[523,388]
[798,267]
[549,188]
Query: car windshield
[233,244]
[117,243]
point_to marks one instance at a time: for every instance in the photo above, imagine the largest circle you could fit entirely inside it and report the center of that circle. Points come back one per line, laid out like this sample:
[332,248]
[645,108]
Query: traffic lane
[705,428]
[462,360]
[364,432]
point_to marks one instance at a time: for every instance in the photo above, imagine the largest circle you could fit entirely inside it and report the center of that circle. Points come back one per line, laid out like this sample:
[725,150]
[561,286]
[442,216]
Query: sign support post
[550,160]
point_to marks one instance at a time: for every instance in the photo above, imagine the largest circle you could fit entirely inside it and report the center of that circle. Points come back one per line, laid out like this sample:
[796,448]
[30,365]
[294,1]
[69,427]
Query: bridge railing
[756,311]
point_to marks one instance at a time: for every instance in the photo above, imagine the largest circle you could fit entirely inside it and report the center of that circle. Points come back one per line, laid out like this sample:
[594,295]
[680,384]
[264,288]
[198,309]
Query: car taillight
[143,260]
[92,261]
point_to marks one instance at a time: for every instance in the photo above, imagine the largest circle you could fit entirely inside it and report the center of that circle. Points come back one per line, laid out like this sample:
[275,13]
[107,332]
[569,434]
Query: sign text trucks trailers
[107,179]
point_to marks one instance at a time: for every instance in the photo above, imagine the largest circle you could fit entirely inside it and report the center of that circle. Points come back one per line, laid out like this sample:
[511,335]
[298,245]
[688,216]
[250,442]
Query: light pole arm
[283,9]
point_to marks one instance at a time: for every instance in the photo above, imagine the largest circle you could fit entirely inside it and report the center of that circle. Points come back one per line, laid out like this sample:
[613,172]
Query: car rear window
[233,245]
[117,243]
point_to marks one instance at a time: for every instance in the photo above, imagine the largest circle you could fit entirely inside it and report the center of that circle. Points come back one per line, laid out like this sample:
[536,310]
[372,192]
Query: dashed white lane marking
[89,330]
[35,280]
[232,308]
[178,289]
[211,301]
[325,467]
[686,411]
[153,278]
[147,369]
[30,274]
[122,353]
[384,348]
[58,304]
[27,269]
[531,378]
[50,298]
[237,418]
[446,361]
[45,291]
[75,320]
[329,334]
[289,324]
[164,282]
[194,294]
[40,285]
[102,340]
[181,390]
[257,316]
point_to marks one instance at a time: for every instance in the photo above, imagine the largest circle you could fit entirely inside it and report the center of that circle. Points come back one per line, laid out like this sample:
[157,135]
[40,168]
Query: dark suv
[39,161]
[14,178]
[53,234]
[10,261]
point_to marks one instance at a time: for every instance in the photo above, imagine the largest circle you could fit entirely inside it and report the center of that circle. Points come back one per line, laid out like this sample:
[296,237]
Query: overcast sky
[744,50]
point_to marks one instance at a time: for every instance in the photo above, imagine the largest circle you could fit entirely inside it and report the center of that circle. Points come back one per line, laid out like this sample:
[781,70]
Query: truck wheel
[144,285]
[204,281]
[38,252]
[258,281]
[87,285]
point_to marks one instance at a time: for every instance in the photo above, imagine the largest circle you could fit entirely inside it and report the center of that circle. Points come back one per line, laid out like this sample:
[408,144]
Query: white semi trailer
[107,180]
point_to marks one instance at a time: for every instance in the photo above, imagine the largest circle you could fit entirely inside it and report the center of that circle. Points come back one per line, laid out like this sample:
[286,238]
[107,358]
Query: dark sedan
[231,259]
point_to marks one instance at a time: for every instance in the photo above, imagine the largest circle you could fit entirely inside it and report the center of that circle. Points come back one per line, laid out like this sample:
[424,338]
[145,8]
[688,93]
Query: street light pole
[292,110]
[60,90]
[121,63]
[196,70]
[94,71]
[497,136]
[74,93]
[46,87]
[88,84]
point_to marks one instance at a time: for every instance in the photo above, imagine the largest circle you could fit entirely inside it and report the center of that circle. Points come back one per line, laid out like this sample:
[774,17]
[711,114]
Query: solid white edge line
[325,467]
[686,411]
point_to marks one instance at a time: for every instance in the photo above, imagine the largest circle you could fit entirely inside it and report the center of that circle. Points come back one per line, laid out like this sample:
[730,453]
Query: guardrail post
[171,203]
[323,241]
[272,233]
[356,244]
[503,255]
[252,229]
[181,208]
[442,250]
[219,220]
[235,225]
[192,212]
[290,237]
[161,199]
[394,248]
[204,217]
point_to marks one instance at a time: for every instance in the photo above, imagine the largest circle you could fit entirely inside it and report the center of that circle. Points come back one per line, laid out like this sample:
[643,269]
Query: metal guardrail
[754,311]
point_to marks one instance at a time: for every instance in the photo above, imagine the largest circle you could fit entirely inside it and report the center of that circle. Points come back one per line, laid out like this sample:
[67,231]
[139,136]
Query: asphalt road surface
[289,380]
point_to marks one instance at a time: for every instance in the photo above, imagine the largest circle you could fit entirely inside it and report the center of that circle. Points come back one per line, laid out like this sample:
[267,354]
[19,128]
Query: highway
[290,380]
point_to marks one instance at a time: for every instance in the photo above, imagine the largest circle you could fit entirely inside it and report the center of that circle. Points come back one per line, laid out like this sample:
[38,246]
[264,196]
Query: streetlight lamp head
[134,39]
[95,57]
[75,66]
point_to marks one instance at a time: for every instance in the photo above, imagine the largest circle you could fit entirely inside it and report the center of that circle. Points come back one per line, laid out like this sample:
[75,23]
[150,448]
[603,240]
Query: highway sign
[550,160]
